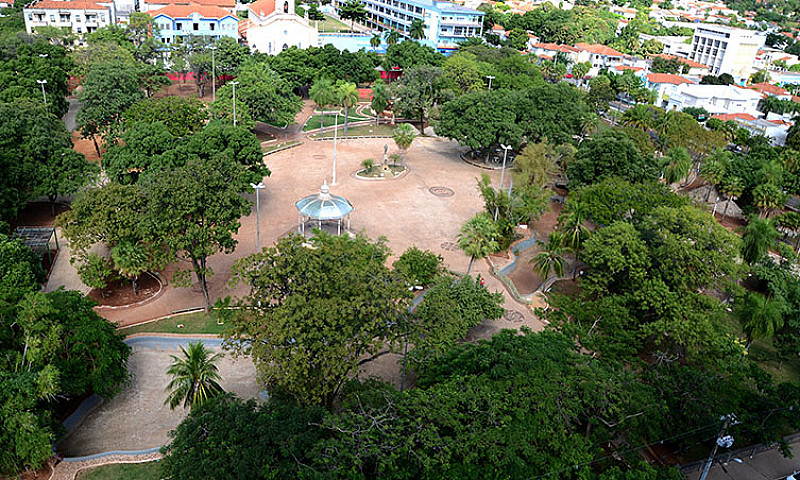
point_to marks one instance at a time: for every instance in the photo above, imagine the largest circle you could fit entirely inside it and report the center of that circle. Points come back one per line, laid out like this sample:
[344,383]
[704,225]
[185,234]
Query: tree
[20,273]
[380,99]
[481,120]
[761,316]
[417,29]
[731,188]
[181,116]
[195,211]
[269,98]
[313,314]
[580,70]
[538,163]
[347,96]
[477,237]
[152,78]
[64,173]
[314,13]
[403,136]
[194,377]
[768,197]
[759,236]
[551,258]
[463,74]
[408,54]
[392,37]
[418,91]
[713,169]
[375,41]
[419,267]
[610,153]
[770,104]
[639,116]
[354,11]
[679,165]
[575,233]
[109,89]
[322,94]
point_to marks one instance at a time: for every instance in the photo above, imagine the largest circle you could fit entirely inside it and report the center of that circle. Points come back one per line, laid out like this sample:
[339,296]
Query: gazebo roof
[324,206]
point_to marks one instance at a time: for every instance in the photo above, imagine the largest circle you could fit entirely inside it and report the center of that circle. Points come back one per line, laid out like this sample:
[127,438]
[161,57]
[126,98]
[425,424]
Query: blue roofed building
[446,24]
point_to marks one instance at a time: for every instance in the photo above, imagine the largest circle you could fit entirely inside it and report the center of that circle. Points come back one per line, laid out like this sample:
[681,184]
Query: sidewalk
[767,465]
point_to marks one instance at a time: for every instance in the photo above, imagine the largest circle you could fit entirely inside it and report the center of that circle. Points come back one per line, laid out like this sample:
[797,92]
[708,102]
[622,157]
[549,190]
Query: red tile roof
[628,67]
[186,11]
[598,49]
[683,60]
[733,116]
[554,47]
[262,8]
[545,57]
[769,89]
[666,78]
[67,5]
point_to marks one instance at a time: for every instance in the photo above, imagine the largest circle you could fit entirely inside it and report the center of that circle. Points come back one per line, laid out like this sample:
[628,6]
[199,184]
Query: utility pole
[721,441]
[335,131]
[506,148]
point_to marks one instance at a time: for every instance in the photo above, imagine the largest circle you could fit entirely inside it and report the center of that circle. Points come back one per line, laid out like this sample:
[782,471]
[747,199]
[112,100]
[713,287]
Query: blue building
[176,22]
[446,24]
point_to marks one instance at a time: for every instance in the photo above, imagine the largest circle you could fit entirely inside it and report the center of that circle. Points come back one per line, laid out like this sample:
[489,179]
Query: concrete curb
[161,287]
[113,452]
[281,149]
[380,179]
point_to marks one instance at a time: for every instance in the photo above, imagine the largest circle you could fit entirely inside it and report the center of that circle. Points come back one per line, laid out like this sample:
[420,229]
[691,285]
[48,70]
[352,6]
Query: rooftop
[683,60]
[598,49]
[667,78]
[720,91]
[186,11]
[769,89]
[726,117]
[67,5]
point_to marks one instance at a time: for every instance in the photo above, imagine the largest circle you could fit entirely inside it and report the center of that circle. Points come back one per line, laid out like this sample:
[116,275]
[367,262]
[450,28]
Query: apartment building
[726,50]
[181,21]
[79,16]
[446,24]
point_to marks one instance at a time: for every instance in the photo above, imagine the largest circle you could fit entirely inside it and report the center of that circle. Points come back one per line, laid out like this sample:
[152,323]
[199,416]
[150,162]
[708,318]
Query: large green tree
[269,98]
[418,91]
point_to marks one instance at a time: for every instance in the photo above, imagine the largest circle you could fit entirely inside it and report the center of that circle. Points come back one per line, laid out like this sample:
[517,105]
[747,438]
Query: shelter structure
[38,239]
[324,209]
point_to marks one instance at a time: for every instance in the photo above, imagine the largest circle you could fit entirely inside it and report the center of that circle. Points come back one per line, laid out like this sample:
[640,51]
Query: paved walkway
[768,465]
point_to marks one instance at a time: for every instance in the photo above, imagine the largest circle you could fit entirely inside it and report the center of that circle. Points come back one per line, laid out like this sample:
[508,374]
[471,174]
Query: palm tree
[130,260]
[417,29]
[375,41]
[771,104]
[346,96]
[767,198]
[194,377]
[759,236]
[589,124]
[761,316]
[678,165]
[639,116]
[790,222]
[477,237]
[403,136]
[551,259]
[322,93]
[571,224]
[712,171]
[732,188]
[392,37]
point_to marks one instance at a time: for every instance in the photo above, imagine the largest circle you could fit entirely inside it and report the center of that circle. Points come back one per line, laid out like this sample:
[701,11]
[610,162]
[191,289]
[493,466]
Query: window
[285,8]
[64,17]
[102,17]
[30,16]
[213,27]
[80,30]
[52,18]
[77,19]
[195,26]
[179,26]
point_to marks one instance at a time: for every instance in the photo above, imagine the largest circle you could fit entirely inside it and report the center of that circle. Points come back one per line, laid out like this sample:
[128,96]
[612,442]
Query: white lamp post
[234,102]
[335,130]
[258,187]
[44,95]
[490,77]
[506,148]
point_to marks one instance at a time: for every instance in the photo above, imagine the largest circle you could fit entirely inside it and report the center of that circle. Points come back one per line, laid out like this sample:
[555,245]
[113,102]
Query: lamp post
[44,95]
[258,187]
[234,102]
[335,130]
[506,148]
[213,75]
[490,77]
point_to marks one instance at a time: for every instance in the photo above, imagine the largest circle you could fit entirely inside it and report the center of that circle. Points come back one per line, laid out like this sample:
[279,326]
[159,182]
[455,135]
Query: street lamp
[234,102]
[258,187]
[43,55]
[490,77]
[335,130]
[213,75]
[506,148]
[44,95]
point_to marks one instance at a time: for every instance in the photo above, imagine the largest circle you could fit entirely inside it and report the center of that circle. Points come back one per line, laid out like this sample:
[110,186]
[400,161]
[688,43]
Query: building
[663,84]
[716,99]
[176,22]
[775,130]
[446,24]
[726,50]
[599,56]
[272,27]
[150,5]
[691,67]
[673,45]
[79,16]
[768,89]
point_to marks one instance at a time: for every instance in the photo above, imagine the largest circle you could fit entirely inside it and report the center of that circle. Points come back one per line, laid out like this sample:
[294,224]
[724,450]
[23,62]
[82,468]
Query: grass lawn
[124,471]
[365,130]
[331,25]
[280,145]
[197,322]
[330,120]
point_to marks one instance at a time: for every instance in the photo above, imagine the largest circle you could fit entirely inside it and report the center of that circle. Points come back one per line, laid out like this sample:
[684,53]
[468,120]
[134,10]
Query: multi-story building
[599,56]
[446,24]
[726,50]
[716,99]
[182,21]
[79,16]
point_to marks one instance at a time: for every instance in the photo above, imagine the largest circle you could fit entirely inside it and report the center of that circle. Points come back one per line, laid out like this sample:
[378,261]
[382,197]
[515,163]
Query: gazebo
[38,239]
[323,208]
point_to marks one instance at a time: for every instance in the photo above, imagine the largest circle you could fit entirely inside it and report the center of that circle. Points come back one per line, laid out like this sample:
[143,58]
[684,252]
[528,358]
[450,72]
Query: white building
[79,16]
[664,84]
[175,23]
[726,50]
[599,56]
[776,130]
[716,99]
[272,27]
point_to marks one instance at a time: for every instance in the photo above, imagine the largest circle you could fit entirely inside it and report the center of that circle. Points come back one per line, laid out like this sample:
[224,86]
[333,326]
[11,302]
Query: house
[79,16]
[776,130]
[716,99]
[693,68]
[599,56]
[663,84]
[179,22]
[273,26]
[767,89]
[551,50]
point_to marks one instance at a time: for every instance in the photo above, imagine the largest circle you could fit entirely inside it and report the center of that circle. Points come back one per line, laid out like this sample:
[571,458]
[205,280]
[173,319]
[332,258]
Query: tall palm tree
[347,97]
[551,259]
[323,94]
[477,237]
[767,198]
[712,171]
[571,224]
[392,37]
[761,316]
[732,189]
[790,222]
[679,162]
[639,116]
[375,41]
[759,236]
[194,377]
[403,136]
[417,29]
